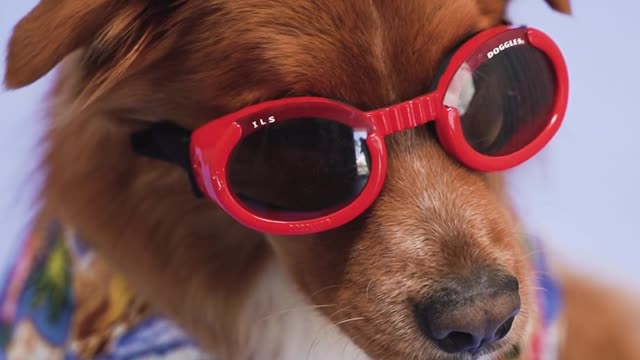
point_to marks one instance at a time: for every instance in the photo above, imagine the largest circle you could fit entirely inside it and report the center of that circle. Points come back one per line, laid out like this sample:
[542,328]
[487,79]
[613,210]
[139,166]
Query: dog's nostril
[504,329]
[456,340]
[468,314]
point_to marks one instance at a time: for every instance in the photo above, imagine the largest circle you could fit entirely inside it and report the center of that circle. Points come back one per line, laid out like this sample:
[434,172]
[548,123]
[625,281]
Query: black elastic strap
[167,142]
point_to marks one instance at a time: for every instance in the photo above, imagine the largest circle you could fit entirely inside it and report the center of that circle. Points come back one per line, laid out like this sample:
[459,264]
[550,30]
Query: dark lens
[506,102]
[299,169]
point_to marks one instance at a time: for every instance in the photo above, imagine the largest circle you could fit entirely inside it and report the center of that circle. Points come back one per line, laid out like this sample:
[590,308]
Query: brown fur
[127,63]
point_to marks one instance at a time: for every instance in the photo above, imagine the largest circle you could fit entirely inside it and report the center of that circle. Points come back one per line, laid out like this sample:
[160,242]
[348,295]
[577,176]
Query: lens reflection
[506,102]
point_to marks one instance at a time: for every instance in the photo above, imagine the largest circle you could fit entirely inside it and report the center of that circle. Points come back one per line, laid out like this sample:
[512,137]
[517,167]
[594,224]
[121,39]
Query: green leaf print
[51,280]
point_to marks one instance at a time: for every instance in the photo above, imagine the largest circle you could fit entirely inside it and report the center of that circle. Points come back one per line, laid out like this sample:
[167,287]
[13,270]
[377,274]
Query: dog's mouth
[503,351]
[497,351]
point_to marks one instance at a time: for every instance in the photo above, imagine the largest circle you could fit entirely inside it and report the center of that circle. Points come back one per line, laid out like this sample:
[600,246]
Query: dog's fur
[346,293]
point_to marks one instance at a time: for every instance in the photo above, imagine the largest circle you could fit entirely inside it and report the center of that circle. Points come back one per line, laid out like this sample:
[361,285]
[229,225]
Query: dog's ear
[118,35]
[564,6]
[52,30]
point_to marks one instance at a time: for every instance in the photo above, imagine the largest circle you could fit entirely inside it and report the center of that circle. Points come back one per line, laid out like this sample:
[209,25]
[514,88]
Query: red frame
[212,144]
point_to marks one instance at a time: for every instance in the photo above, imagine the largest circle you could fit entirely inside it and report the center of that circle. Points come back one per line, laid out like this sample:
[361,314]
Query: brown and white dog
[349,293]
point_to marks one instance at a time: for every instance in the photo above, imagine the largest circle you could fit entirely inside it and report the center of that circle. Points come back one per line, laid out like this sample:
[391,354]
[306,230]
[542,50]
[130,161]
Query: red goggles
[306,164]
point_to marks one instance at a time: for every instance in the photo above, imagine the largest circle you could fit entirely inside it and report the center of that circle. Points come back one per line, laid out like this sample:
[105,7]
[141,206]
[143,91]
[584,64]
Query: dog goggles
[306,164]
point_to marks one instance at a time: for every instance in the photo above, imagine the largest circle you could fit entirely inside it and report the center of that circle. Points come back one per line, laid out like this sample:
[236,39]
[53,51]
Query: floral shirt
[61,301]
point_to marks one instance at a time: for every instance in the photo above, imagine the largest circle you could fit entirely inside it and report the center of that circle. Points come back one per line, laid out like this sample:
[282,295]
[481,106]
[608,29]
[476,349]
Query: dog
[356,291]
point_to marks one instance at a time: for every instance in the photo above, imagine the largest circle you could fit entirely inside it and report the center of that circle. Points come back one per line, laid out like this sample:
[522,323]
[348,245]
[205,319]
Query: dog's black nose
[468,313]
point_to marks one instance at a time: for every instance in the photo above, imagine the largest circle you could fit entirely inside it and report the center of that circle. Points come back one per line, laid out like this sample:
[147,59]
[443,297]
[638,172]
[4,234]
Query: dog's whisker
[366,357]
[353,341]
[339,311]
[349,320]
[325,289]
[366,293]
[276,314]
[319,333]
[366,345]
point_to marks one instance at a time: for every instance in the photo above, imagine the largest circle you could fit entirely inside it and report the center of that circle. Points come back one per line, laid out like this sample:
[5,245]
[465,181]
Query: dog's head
[435,266]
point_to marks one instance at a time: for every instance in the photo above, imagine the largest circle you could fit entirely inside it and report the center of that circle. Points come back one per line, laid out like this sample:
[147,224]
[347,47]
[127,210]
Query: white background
[581,193]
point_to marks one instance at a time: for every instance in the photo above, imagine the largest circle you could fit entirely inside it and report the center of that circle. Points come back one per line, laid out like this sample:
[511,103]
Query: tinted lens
[506,102]
[299,169]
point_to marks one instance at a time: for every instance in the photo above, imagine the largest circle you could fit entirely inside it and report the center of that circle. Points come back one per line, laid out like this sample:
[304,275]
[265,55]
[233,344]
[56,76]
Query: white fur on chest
[283,325]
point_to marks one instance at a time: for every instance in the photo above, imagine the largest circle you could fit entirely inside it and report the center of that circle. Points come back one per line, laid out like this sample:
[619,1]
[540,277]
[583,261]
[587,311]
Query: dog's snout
[467,314]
